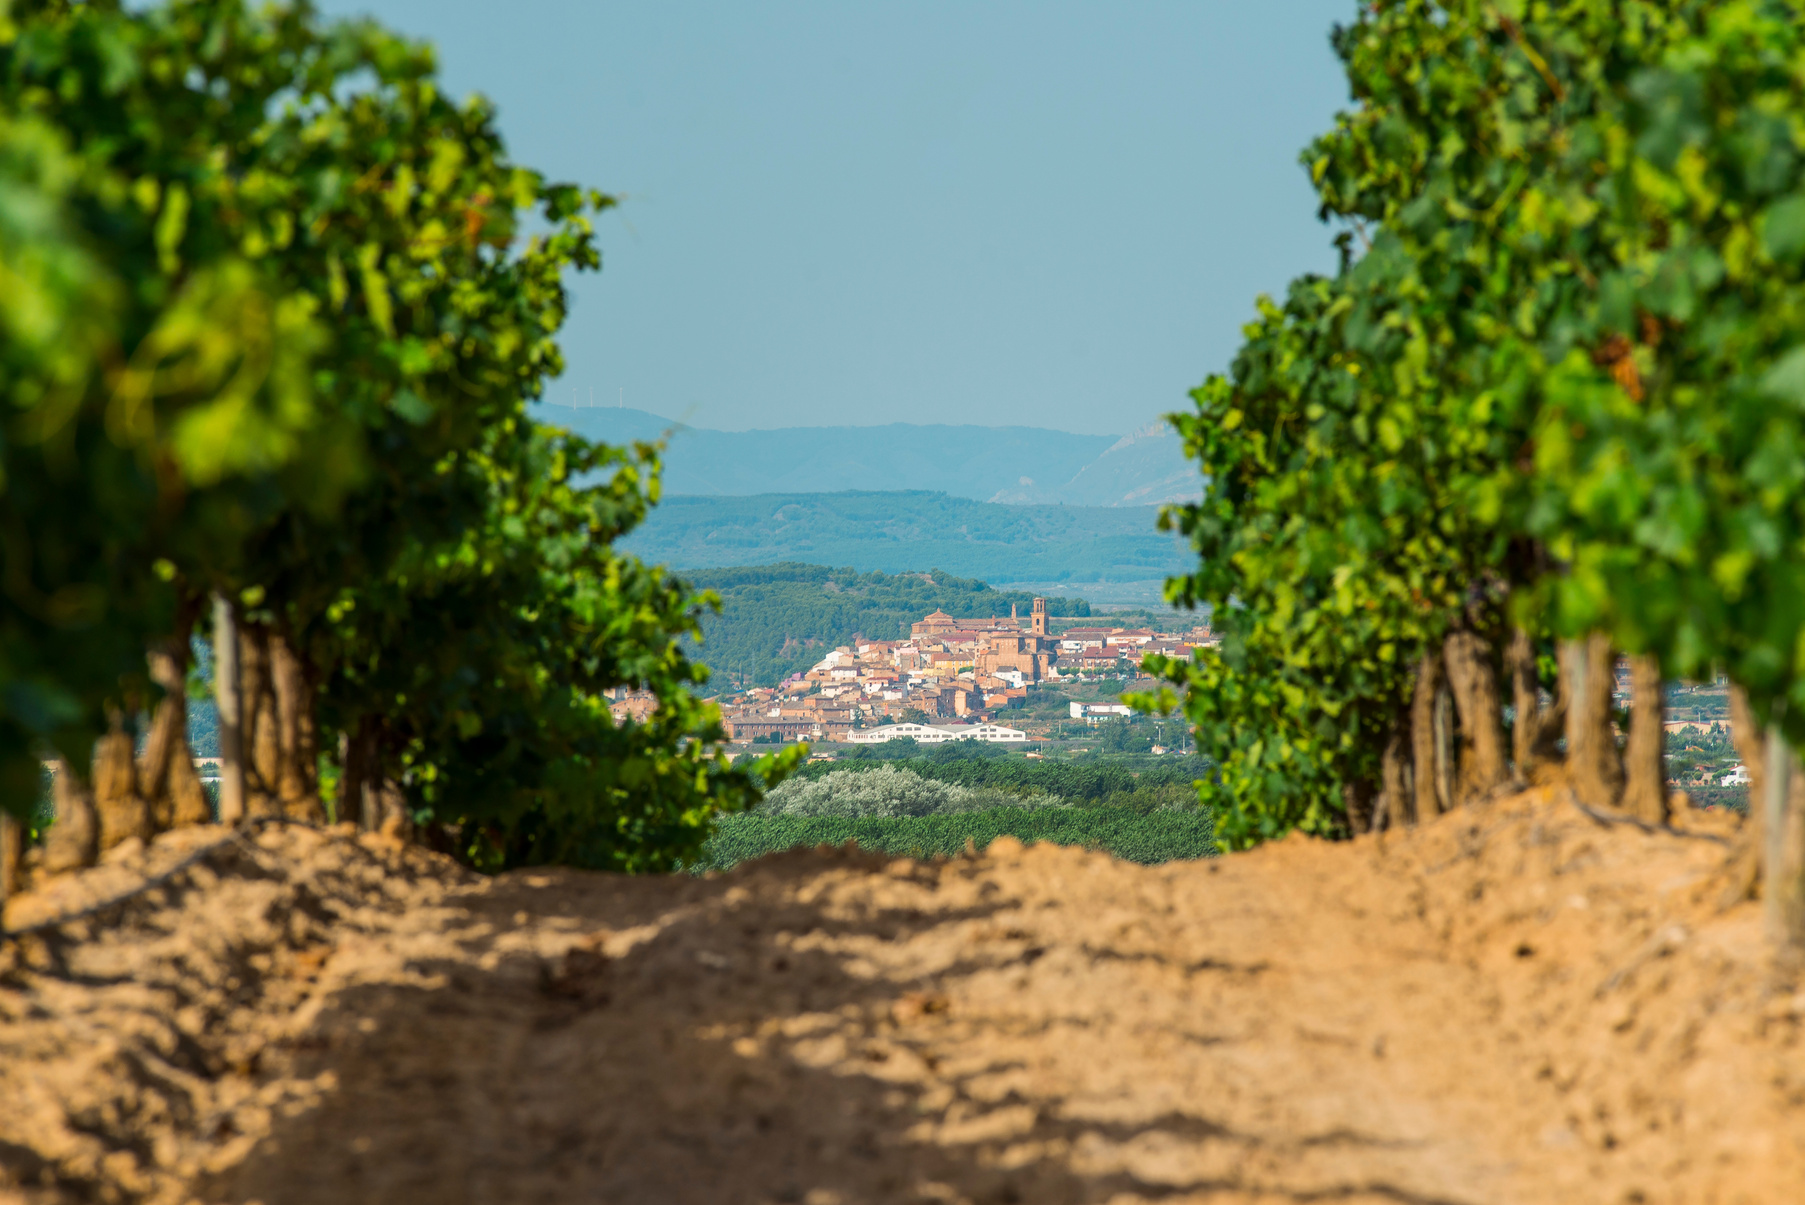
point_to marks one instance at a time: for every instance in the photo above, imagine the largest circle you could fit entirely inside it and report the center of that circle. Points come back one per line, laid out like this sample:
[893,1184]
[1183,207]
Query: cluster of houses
[952,679]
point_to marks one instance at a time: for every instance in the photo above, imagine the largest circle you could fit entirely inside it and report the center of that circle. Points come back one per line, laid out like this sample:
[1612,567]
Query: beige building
[1031,653]
[934,624]
[789,728]
[633,708]
[934,734]
[941,626]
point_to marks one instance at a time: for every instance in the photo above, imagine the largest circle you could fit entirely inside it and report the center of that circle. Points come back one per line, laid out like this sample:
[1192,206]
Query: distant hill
[912,531]
[1142,469]
[986,464]
[778,620]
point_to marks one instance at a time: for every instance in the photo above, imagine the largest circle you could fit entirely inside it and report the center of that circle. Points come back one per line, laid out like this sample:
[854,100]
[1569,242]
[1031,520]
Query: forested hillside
[902,532]
[776,620]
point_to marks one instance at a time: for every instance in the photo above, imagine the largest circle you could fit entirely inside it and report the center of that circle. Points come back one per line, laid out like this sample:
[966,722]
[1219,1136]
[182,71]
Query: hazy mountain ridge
[1013,465]
[1144,468]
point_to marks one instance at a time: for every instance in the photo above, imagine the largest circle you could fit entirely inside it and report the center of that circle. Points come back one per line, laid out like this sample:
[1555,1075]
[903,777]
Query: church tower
[1039,620]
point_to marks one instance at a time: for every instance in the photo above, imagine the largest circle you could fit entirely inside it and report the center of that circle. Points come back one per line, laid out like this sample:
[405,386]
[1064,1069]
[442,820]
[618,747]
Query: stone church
[1002,644]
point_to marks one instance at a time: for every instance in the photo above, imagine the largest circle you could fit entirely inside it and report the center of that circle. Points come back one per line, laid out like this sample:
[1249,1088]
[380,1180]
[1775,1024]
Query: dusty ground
[1515,1004]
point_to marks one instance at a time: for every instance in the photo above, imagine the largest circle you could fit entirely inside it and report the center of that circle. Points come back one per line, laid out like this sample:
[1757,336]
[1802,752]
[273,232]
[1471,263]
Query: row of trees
[1102,782]
[1551,406]
[269,315]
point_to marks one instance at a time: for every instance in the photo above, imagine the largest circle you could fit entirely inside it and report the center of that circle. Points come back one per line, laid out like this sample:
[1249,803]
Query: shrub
[888,792]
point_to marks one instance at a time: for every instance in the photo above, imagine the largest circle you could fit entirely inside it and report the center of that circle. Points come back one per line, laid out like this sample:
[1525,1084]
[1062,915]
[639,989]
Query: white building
[935,734]
[993,733]
[1737,777]
[1097,711]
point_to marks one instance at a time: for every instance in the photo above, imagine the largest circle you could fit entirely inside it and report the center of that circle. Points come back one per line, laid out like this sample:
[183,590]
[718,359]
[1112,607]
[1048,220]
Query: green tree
[1556,394]
[1370,538]
[1335,557]
[149,356]
[1669,449]
[285,328]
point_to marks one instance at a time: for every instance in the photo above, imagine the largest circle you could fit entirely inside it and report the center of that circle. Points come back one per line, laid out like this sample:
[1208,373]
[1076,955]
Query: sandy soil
[1514,1004]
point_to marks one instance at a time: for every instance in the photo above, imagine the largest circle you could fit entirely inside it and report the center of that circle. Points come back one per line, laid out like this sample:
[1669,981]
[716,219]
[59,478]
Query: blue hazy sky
[1045,214]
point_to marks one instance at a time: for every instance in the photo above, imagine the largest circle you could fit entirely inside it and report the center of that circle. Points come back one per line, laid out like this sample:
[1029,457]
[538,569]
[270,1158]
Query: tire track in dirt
[1511,1004]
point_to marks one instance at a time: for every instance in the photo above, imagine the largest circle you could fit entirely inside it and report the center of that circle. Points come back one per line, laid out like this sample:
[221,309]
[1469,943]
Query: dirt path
[1515,1004]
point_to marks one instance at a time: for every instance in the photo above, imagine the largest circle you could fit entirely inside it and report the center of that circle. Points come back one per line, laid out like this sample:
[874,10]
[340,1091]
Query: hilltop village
[952,679]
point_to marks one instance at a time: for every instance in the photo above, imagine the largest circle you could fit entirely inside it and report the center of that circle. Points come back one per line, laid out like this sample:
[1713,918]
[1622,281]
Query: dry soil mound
[1514,1004]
